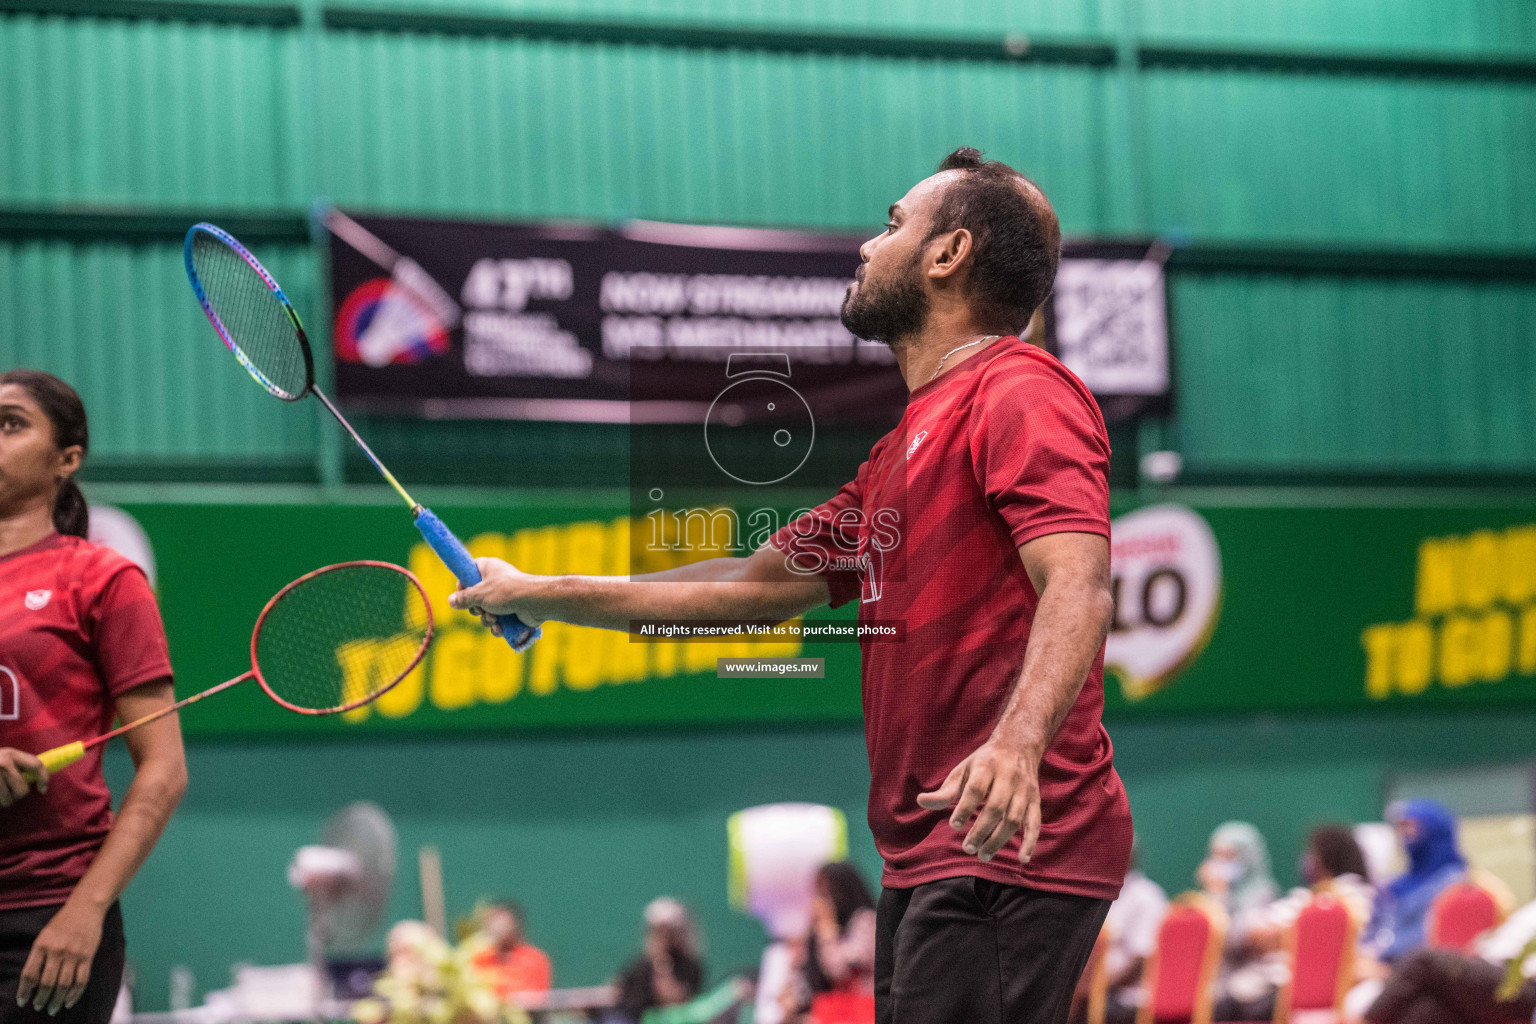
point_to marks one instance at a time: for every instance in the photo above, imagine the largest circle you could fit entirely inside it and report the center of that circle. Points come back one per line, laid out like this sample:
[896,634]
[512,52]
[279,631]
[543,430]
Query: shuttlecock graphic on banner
[1166,568]
[403,318]
[381,323]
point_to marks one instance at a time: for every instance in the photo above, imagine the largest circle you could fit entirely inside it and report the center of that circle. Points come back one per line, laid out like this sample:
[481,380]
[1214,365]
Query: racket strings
[341,637]
[256,320]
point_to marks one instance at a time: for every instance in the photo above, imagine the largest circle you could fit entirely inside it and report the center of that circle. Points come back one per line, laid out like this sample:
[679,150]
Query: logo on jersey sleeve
[10,695]
[37,600]
[921,436]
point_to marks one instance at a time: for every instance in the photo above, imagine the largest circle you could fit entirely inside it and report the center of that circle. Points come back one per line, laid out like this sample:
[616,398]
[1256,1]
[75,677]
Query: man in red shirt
[982,523]
[512,964]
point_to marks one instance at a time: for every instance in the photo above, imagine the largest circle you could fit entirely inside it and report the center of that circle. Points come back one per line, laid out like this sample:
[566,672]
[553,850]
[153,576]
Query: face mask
[1226,870]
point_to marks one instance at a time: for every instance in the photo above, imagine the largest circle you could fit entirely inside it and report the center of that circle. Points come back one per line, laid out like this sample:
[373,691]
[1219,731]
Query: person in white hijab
[1236,874]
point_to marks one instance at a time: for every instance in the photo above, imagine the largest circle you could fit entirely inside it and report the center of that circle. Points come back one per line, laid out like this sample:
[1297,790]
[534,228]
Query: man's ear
[948,252]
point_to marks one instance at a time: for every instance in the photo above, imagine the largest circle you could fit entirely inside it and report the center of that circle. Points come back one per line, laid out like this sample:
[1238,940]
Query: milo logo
[1165,571]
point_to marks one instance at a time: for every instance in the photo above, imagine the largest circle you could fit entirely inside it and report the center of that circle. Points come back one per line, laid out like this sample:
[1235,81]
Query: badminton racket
[259,325]
[330,641]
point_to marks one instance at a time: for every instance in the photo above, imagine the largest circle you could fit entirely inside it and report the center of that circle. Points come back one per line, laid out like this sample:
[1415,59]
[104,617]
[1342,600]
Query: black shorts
[969,951]
[18,930]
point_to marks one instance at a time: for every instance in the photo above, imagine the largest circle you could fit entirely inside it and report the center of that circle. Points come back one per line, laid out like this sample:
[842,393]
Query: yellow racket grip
[62,757]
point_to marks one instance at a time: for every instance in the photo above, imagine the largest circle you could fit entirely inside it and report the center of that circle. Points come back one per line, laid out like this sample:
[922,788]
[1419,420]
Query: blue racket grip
[457,558]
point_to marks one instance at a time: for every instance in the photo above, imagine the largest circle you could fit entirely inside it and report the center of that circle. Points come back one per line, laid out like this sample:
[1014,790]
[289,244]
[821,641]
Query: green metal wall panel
[1319,374]
[119,323]
[1350,159]
[141,113]
[959,16]
[530,128]
[204,116]
[1466,26]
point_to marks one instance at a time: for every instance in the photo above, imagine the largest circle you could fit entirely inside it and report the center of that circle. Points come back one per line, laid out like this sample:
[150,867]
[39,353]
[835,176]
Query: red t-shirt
[78,628]
[1007,447]
[524,968]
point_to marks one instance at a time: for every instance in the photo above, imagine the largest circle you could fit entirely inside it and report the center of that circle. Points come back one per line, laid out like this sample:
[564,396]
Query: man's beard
[891,313]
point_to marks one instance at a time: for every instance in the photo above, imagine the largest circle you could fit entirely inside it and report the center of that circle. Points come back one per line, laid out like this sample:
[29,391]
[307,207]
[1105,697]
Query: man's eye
[890,226]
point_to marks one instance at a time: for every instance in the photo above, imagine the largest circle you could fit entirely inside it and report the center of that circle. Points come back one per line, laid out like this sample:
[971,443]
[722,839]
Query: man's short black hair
[1015,239]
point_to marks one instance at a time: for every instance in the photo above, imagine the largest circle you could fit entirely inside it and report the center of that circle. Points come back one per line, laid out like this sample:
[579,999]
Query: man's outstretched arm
[760,586]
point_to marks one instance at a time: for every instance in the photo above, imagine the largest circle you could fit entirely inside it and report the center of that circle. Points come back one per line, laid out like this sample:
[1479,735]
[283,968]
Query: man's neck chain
[957,348]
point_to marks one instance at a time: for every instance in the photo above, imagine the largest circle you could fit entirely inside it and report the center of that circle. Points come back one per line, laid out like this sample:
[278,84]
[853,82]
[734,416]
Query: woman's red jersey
[79,627]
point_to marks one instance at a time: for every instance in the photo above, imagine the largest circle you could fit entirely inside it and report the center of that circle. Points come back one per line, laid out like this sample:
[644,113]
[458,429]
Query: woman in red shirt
[81,643]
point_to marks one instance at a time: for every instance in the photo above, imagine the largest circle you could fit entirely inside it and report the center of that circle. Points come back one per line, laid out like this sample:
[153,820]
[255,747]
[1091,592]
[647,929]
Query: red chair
[843,1008]
[1459,915]
[1321,948]
[1179,974]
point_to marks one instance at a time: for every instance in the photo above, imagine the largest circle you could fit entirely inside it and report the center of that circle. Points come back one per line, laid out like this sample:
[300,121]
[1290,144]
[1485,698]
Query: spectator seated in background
[1497,986]
[668,972]
[1331,863]
[1236,874]
[839,953]
[1133,921]
[1427,830]
[511,964]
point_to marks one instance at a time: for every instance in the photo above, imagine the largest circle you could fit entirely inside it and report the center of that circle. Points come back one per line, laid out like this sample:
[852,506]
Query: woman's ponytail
[71,515]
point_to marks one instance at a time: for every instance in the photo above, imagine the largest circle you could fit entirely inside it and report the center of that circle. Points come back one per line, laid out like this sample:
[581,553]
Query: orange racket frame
[69,753]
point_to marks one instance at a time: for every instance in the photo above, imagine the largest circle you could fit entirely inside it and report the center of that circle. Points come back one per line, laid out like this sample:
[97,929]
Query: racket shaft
[457,558]
[441,539]
[389,477]
[69,753]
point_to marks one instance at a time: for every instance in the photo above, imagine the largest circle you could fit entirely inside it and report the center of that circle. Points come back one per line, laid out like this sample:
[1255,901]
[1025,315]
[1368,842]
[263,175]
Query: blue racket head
[249,311]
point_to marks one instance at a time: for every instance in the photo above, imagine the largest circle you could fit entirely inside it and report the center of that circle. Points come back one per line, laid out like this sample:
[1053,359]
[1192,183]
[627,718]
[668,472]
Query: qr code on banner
[1112,325]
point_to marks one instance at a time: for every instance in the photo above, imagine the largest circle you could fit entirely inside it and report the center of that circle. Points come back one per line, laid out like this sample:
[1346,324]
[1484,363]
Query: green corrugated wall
[961,16]
[1351,159]
[550,129]
[1459,25]
[120,323]
[1301,371]
[1318,374]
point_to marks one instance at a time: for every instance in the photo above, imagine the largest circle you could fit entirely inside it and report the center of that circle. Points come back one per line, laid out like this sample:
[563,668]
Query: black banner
[652,323]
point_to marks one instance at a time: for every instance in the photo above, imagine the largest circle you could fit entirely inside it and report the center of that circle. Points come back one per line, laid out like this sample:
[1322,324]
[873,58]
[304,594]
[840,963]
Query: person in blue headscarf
[1427,830]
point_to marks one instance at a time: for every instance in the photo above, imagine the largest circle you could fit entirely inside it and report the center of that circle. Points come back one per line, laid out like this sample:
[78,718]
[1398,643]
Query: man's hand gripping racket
[333,640]
[260,327]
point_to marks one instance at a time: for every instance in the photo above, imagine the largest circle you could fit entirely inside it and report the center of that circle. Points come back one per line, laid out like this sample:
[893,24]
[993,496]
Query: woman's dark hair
[62,406]
[846,889]
[848,893]
[1336,851]
[1015,238]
